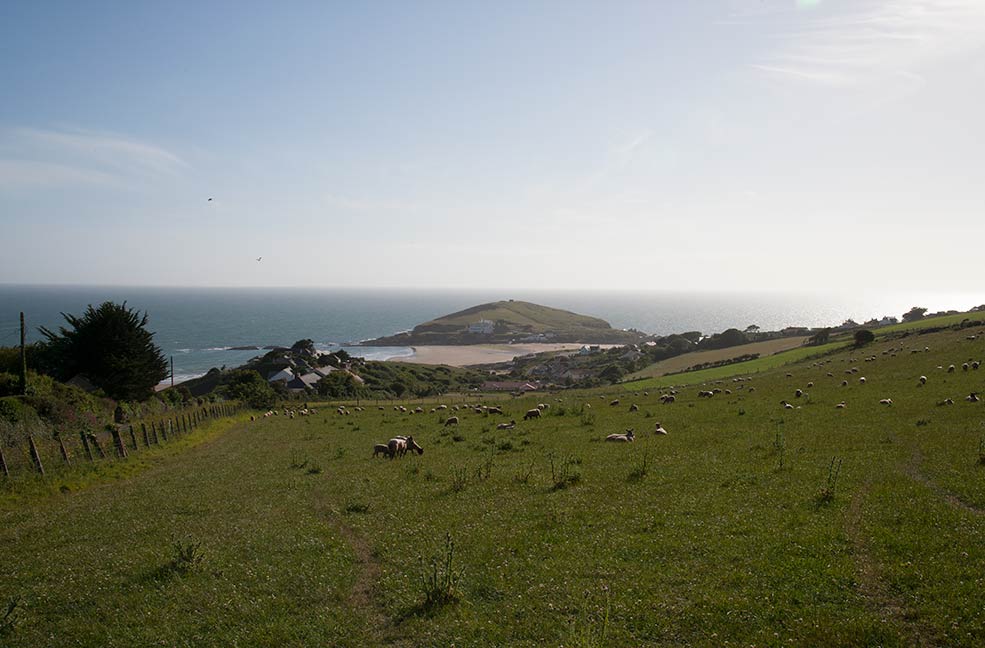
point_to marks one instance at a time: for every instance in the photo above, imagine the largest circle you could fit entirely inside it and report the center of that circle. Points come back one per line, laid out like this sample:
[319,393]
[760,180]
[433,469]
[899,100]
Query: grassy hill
[748,524]
[512,320]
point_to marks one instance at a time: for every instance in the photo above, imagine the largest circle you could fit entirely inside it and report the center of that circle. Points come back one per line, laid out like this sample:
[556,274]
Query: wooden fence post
[143,429]
[177,427]
[121,450]
[3,463]
[184,424]
[64,451]
[85,444]
[133,437]
[99,446]
[35,456]
[164,431]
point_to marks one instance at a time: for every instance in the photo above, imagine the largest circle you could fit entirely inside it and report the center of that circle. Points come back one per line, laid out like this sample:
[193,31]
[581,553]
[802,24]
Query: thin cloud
[878,41]
[35,157]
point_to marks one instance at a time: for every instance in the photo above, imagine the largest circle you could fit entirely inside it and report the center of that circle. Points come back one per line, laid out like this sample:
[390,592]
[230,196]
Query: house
[324,371]
[482,327]
[302,383]
[508,385]
[285,375]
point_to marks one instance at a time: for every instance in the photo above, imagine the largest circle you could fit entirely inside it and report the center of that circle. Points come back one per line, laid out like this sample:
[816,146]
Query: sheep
[705,394]
[381,449]
[659,429]
[396,447]
[621,438]
[531,414]
[451,421]
[861,380]
[442,407]
[886,401]
[972,397]
[810,385]
[667,398]
[840,405]
[946,401]
[614,403]
[634,408]
[976,364]
[798,393]
[844,383]
[950,369]
[923,380]
[506,426]
[964,367]
[494,410]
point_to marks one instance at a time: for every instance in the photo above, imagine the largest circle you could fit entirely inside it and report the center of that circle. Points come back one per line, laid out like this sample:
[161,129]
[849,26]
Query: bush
[863,337]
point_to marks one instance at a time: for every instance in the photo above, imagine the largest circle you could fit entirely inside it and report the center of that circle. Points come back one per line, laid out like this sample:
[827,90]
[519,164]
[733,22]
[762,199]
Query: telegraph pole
[172,371]
[23,371]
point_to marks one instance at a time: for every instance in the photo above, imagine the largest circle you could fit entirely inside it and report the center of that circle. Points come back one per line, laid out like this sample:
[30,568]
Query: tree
[863,337]
[112,347]
[821,337]
[914,314]
[248,386]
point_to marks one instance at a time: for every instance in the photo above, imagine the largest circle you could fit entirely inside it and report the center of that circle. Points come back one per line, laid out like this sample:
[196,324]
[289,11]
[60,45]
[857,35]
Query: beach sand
[473,354]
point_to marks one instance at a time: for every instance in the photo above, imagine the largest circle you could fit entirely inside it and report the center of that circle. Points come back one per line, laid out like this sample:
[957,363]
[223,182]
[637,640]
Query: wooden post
[64,451]
[85,444]
[133,437]
[153,430]
[164,432]
[23,362]
[121,450]
[184,422]
[143,428]
[35,456]
[3,463]
[99,446]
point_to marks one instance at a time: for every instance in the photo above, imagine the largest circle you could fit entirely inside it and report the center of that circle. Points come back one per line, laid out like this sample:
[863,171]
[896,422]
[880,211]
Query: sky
[817,145]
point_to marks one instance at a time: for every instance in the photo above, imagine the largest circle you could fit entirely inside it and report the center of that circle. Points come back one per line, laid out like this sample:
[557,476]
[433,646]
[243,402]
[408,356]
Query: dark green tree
[248,386]
[111,346]
[914,314]
[863,337]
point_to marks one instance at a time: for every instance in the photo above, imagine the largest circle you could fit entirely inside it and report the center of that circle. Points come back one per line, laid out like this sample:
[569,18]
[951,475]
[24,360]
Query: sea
[198,327]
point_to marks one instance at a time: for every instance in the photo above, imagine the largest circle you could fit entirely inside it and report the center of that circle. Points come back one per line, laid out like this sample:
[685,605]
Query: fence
[118,443]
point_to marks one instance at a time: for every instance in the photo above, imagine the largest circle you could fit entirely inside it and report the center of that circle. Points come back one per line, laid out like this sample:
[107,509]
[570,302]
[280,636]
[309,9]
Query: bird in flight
[210,200]
[258,259]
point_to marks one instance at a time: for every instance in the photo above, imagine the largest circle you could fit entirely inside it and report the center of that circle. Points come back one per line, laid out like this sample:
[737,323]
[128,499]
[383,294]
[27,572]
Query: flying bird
[258,259]
[210,200]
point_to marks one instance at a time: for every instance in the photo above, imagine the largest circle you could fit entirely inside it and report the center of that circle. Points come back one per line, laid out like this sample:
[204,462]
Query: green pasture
[733,529]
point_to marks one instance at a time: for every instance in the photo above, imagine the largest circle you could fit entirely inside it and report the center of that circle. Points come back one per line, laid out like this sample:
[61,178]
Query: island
[510,322]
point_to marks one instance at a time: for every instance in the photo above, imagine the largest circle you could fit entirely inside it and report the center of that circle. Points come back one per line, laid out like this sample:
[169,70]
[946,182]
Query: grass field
[682,362]
[731,530]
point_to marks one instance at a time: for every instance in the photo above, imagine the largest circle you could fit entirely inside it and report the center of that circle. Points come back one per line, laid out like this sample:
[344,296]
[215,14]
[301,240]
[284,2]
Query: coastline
[476,354]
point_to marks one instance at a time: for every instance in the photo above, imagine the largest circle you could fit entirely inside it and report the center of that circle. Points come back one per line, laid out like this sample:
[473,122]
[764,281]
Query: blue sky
[758,145]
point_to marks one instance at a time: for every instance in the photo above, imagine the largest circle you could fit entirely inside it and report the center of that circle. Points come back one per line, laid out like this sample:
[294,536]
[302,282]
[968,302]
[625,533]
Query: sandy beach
[472,354]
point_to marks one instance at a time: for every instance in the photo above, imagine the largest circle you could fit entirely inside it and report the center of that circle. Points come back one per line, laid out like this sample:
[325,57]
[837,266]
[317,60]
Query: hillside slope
[508,321]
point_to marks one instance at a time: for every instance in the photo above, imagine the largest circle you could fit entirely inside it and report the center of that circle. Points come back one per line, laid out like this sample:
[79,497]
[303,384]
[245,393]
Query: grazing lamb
[798,393]
[964,367]
[886,401]
[659,429]
[972,397]
[840,405]
[946,401]
[634,408]
[614,403]
[621,438]
[494,410]
[950,369]
[531,414]
[923,380]
[862,380]
[506,426]
[451,421]
[381,449]
[844,383]
[976,364]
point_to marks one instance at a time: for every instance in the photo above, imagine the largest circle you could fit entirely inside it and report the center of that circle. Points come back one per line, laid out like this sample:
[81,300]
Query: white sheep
[621,438]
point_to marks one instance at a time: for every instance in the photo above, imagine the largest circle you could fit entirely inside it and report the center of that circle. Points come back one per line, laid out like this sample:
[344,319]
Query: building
[482,327]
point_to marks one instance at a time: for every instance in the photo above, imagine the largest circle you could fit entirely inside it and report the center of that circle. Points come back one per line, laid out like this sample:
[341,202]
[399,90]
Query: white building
[482,327]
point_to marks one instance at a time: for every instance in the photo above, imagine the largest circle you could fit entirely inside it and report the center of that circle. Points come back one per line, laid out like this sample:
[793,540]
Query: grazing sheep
[381,449]
[972,397]
[840,405]
[494,410]
[964,367]
[844,383]
[614,403]
[798,393]
[705,394]
[975,364]
[659,429]
[950,369]
[534,413]
[923,380]
[442,407]
[634,408]
[451,421]
[396,447]
[886,401]
[862,380]
[506,426]
[621,438]
[810,385]
[830,375]
[946,401]
[412,445]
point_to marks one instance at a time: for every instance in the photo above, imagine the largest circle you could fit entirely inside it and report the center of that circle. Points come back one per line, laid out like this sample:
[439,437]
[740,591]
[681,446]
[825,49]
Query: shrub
[440,577]
[863,337]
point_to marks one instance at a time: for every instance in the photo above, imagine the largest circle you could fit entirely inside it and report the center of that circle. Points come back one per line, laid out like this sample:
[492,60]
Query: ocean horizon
[198,327]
